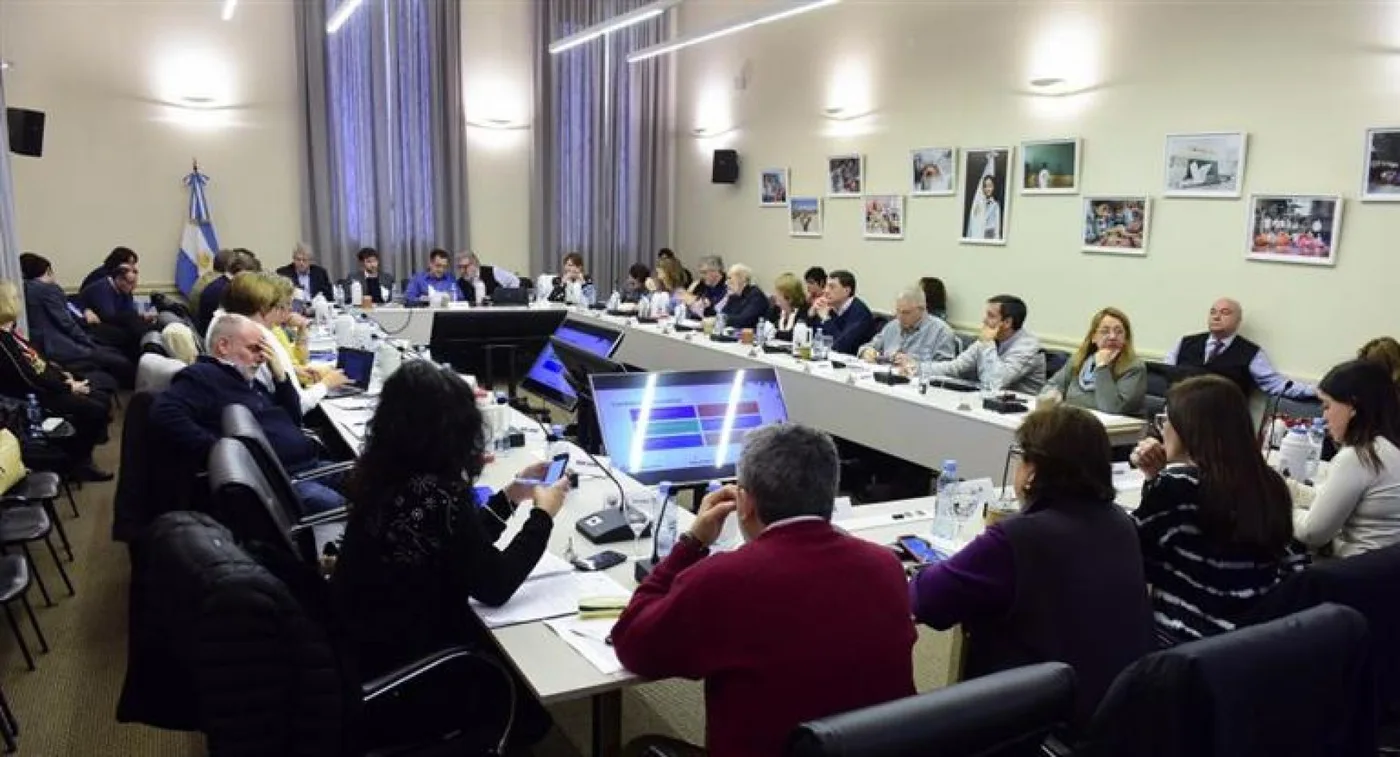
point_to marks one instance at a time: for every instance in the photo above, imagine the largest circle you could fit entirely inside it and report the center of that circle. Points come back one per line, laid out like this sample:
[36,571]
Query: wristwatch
[695,543]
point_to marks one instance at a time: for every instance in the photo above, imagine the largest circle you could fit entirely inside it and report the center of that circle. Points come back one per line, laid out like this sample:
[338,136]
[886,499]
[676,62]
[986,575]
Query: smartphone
[919,550]
[601,561]
[557,466]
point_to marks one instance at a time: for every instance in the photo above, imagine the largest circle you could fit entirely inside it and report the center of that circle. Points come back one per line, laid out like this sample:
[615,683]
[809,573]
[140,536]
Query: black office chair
[1159,380]
[250,506]
[153,342]
[1006,714]
[1054,361]
[239,423]
[1299,408]
[1299,686]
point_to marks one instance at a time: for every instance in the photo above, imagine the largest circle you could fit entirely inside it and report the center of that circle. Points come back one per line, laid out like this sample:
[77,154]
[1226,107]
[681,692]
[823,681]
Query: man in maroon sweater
[802,622]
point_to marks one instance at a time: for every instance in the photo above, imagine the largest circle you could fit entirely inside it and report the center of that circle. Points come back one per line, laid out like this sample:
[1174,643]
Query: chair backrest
[1299,686]
[138,500]
[153,342]
[999,715]
[1054,361]
[1159,379]
[242,499]
[1300,408]
[155,372]
[239,423]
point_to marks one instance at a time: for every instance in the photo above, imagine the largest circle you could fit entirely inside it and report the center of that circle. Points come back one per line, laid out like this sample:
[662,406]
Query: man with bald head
[1222,351]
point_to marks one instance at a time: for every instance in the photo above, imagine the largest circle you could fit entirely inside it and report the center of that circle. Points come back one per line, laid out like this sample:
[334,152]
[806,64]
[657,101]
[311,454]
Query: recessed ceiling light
[197,100]
[1047,81]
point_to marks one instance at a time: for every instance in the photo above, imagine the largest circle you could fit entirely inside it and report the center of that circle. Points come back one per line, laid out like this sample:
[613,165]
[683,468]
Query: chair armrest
[323,471]
[317,519]
[460,663]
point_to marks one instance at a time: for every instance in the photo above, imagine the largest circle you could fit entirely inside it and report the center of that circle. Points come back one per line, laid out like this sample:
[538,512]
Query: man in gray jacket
[1005,355]
[56,330]
[375,284]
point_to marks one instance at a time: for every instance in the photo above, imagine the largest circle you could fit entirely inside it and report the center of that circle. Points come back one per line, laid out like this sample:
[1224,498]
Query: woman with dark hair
[118,257]
[1215,520]
[1060,581]
[573,273]
[418,543]
[935,296]
[636,283]
[1357,509]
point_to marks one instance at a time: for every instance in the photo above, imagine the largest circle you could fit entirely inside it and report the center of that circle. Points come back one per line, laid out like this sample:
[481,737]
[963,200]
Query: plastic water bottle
[801,334]
[667,531]
[589,293]
[1294,454]
[35,416]
[337,294]
[614,301]
[1317,436]
[721,321]
[388,293]
[947,480]
[357,293]
[644,307]
[478,292]
[680,311]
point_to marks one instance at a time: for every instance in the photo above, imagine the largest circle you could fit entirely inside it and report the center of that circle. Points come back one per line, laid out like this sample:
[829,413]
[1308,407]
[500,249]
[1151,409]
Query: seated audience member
[179,342]
[815,281]
[1063,580]
[85,401]
[1105,373]
[188,416]
[470,270]
[419,544]
[669,278]
[309,278]
[841,315]
[746,304]
[1214,523]
[122,323]
[1386,351]
[572,274]
[119,256]
[708,289]
[912,336]
[375,282]
[1006,356]
[217,268]
[935,296]
[56,330]
[683,280]
[266,300]
[1357,509]
[435,279]
[1221,351]
[213,295]
[635,285]
[789,305]
[743,621]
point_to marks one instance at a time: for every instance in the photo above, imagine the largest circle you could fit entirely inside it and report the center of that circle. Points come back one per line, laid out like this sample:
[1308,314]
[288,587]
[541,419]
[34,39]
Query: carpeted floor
[67,707]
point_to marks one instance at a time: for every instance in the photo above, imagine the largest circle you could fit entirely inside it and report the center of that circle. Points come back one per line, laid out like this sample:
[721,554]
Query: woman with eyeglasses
[1105,374]
[1060,581]
[1357,509]
[1215,520]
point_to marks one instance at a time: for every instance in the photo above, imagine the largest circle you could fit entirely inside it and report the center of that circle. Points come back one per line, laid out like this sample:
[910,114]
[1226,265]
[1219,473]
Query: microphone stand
[643,568]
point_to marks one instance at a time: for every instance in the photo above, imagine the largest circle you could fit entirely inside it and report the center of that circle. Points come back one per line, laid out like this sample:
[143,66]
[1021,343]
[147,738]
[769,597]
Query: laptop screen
[358,365]
[546,376]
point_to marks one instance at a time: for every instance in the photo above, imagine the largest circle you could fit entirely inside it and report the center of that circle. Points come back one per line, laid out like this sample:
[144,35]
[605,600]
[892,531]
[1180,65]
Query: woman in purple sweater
[1060,581]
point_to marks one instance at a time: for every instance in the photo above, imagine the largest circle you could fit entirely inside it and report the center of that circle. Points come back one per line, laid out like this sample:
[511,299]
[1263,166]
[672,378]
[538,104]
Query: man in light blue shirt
[912,336]
[1005,355]
[1222,351]
[435,279]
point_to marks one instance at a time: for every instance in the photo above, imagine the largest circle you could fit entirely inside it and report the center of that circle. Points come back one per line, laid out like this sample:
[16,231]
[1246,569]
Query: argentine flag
[197,243]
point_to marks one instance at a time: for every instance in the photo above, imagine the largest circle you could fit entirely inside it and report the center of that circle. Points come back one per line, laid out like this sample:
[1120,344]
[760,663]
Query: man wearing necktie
[1222,351]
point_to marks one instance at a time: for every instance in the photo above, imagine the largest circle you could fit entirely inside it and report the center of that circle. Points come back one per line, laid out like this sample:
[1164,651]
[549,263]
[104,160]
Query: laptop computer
[358,366]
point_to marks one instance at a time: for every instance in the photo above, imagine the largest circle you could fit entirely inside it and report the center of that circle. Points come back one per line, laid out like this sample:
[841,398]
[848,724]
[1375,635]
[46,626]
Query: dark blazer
[849,330]
[52,328]
[746,309]
[320,280]
[210,300]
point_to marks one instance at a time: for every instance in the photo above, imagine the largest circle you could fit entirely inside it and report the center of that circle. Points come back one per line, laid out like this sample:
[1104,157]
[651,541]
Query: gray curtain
[600,177]
[9,238]
[384,163]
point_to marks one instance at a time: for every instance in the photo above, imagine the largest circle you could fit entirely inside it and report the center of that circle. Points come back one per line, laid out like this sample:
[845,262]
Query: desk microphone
[609,525]
[1266,424]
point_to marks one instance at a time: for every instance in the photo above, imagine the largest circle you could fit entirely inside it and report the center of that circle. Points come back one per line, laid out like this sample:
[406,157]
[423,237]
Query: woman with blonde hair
[789,304]
[1383,350]
[1105,373]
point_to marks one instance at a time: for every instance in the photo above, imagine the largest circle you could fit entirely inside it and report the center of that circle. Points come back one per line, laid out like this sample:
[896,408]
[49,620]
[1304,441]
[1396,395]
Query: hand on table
[714,509]
[869,355]
[334,378]
[1150,457]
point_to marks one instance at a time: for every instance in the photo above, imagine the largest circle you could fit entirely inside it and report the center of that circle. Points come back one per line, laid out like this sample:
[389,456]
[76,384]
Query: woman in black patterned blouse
[418,544]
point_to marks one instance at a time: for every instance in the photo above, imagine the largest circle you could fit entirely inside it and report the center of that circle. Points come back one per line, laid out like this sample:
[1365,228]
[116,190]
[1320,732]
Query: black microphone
[1266,424]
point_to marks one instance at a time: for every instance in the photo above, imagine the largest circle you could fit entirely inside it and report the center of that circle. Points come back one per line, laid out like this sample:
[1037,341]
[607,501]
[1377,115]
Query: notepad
[550,596]
[590,639]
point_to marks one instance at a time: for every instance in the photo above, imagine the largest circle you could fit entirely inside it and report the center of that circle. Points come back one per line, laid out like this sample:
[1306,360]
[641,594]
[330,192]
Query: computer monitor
[546,378]
[684,426]
[484,341]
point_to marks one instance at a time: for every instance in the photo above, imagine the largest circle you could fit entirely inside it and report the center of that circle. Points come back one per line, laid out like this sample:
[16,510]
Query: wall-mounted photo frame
[1381,181]
[1050,166]
[1302,229]
[1206,164]
[934,171]
[805,217]
[986,211]
[845,176]
[1117,224]
[884,217]
[773,188]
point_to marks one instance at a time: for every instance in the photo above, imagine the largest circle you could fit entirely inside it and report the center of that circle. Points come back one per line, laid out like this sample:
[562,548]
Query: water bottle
[667,531]
[589,294]
[680,311]
[502,441]
[337,294]
[943,500]
[478,292]
[388,293]
[721,321]
[614,301]
[35,415]
[1294,454]
[1317,436]
[357,293]
[644,307]
[801,334]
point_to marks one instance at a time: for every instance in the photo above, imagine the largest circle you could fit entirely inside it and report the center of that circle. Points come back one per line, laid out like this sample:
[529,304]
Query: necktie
[1215,345]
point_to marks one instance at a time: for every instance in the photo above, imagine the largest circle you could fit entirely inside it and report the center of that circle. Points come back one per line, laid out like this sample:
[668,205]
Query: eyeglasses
[1111,331]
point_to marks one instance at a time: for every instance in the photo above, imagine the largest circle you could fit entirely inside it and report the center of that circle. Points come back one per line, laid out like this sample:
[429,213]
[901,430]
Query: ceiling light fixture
[644,13]
[342,14]
[229,7]
[787,10]
[1045,82]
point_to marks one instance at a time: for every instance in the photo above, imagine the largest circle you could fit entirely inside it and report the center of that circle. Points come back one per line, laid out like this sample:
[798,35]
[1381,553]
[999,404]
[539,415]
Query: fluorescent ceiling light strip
[341,15]
[788,11]
[229,6]
[644,13]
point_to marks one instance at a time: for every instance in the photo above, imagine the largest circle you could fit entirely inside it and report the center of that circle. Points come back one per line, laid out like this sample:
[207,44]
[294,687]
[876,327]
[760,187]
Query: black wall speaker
[726,167]
[26,131]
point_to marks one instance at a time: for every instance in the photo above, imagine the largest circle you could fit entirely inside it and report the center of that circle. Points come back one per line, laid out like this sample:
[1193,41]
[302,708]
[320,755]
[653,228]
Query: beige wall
[115,152]
[1304,79]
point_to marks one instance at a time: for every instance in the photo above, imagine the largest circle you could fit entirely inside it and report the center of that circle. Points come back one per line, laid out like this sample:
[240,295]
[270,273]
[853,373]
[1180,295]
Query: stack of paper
[548,596]
[590,639]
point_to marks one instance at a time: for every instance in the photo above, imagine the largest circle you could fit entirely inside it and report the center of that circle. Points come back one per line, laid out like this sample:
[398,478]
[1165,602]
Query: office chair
[1005,714]
[238,423]
[256,510]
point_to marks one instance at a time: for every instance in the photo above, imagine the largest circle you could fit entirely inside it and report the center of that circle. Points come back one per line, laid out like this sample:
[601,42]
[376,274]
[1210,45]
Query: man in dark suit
[746,304]
[841,315]
[56,326]
[1222,351]
[122,323]
[375,282]
[306,275]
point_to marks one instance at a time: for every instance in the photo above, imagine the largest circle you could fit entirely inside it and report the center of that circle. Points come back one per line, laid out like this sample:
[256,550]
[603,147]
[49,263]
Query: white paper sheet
[549,597]
[589,639]
[549,565]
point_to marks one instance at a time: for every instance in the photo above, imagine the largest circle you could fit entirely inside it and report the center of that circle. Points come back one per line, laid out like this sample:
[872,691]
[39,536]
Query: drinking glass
[638,518]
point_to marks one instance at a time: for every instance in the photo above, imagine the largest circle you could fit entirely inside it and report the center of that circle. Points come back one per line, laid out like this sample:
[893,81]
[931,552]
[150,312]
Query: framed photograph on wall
[1117,225]
[1050,167]
[884,216]
[1209,164]
[845,176]
[986,211]
[934,171]
[805,217]
[1381,183]
[773,192]
[1294,228]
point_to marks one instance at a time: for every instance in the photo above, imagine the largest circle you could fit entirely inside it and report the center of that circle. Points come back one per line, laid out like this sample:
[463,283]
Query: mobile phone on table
[919,550]
[601,561]
[557,466]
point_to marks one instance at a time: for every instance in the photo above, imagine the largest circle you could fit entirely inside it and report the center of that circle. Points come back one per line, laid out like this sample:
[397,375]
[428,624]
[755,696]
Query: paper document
[548,597]
[590,639]
[1127,479]
[549,565]
[51,425]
